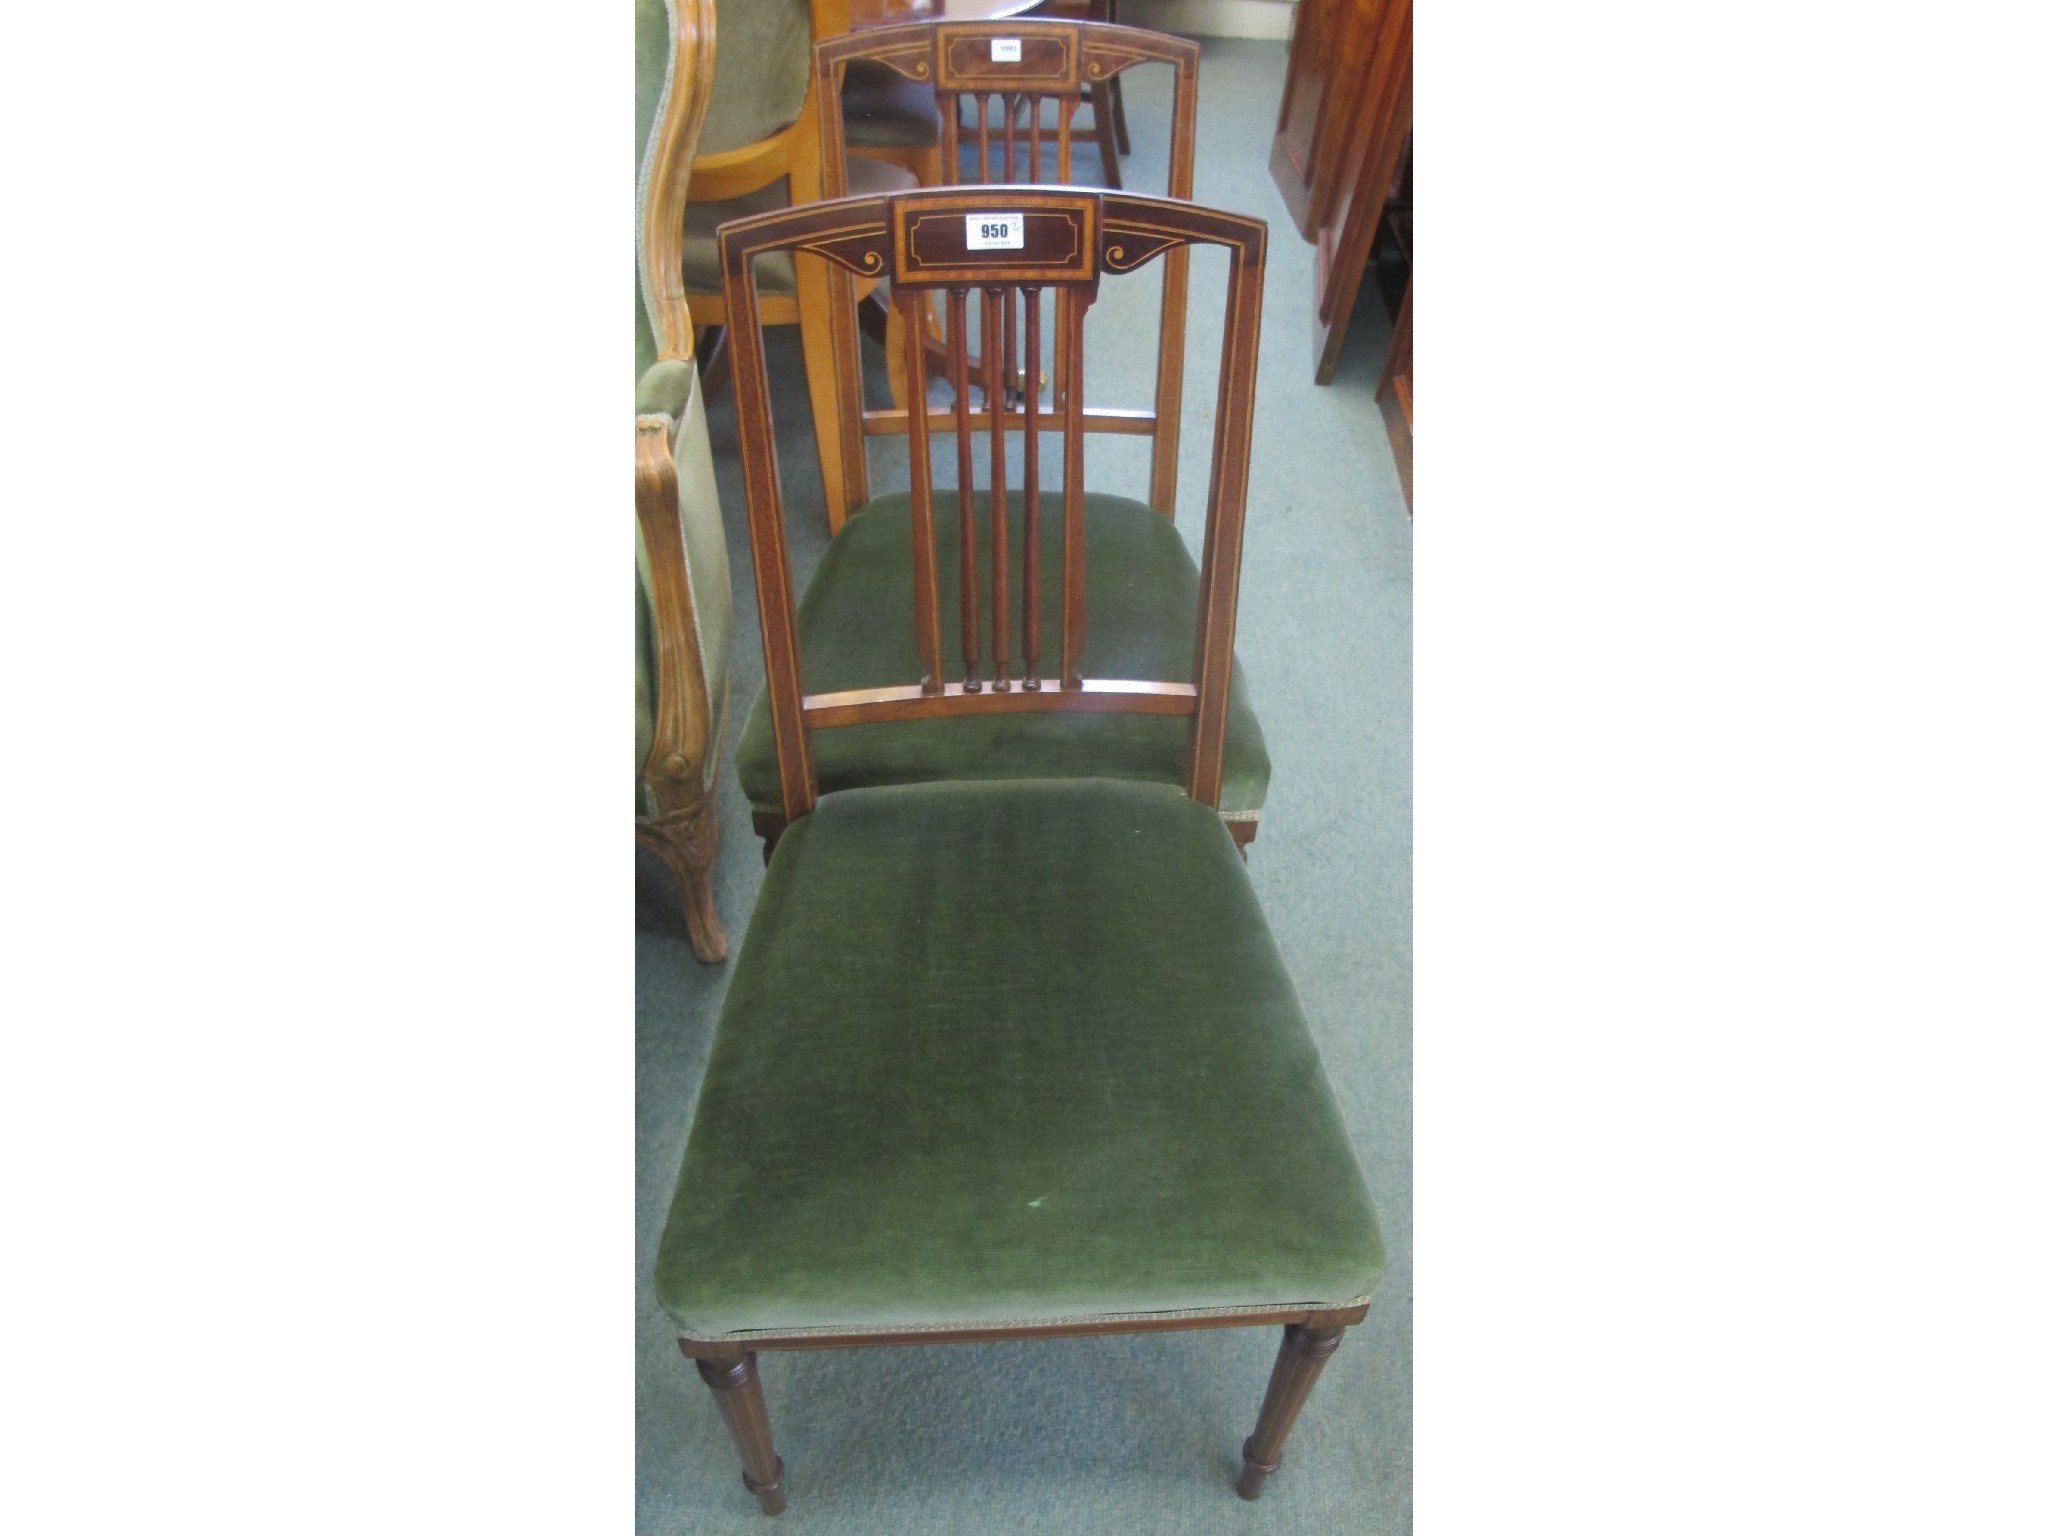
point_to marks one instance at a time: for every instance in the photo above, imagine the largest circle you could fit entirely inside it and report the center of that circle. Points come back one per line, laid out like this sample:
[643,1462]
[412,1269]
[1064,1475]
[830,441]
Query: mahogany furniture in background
[1014,1058]
[683,589]
[1344,118]
[1397,398]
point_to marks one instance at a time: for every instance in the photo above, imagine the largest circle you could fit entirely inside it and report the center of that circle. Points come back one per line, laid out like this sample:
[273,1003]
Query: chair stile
[1031,679]
[993,302]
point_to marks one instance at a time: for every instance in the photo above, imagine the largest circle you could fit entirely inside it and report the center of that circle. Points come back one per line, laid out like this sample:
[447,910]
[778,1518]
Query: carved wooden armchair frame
[1070,239]
[1060,62]
[679,770]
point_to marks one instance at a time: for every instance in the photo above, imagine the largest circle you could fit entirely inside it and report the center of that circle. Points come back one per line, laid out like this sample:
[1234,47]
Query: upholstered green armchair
[683,588]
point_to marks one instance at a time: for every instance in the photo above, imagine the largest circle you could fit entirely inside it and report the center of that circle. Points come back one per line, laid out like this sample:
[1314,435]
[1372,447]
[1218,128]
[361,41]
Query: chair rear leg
[1105,132]
[736,1387]
[1303,1352]
[1116,108]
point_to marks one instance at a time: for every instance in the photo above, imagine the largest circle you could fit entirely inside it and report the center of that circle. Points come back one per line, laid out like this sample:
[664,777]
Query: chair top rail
[918,239]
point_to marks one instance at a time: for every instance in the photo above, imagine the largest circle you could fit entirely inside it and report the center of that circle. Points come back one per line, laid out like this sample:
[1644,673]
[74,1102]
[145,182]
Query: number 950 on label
[995,231]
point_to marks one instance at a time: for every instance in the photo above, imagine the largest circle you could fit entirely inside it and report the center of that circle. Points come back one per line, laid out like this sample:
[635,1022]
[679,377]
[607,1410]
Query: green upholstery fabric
[645,670]
[763,72]
[885,110]
[704,545]
[670,389]
[665,389]
[1008,1053]
[645,349]
[707,562]
[651,43]
[854,624]
[774,272]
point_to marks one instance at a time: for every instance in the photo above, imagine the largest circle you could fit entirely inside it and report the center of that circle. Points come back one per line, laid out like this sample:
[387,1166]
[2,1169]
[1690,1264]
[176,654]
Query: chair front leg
[687,841]
[1303,1353]
[736,1386]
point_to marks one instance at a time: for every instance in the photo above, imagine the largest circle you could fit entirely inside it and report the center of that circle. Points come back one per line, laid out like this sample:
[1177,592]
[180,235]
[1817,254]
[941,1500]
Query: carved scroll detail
[1105,59]
[1130,250]
[860,252]
[911,60]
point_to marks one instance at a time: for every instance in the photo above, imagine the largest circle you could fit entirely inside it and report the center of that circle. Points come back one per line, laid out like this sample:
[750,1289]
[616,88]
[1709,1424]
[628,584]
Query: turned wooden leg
[736,1386]
[1302,1353]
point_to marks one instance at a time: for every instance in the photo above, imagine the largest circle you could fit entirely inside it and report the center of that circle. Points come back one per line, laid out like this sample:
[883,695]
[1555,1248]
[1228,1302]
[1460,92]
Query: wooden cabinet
[1397,399]
[1344,120]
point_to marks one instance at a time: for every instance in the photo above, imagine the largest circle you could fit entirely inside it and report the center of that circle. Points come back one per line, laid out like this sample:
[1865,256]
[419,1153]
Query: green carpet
[1134,1434]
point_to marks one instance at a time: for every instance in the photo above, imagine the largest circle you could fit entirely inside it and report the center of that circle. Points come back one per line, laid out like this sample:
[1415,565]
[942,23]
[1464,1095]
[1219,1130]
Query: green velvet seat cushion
[885,110]
[854,624]
[1010,1052]
[774,271]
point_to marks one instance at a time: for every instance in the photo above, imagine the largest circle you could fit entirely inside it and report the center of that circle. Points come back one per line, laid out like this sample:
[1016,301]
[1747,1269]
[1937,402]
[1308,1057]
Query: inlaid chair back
[966,246]
[1025,79]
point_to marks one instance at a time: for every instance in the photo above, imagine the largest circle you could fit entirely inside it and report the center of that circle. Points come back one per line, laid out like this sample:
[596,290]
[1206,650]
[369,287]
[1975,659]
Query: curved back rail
[665,158]
[1017,67]
[925,243]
